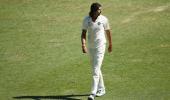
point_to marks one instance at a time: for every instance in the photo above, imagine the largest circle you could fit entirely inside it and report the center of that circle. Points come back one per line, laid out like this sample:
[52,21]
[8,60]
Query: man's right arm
[83,41]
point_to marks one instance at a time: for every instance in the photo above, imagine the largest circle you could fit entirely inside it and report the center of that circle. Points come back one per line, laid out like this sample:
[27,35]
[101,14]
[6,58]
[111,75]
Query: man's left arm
[109,37]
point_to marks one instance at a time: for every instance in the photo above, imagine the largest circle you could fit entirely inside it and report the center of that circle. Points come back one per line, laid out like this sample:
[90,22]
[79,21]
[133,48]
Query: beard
[96,14]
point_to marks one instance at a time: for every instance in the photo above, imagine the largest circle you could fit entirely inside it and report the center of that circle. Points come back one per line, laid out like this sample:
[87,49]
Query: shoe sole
[90,99]
[100,95]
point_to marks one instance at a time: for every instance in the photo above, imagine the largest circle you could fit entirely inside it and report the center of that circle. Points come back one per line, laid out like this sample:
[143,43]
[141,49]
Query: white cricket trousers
[96,58]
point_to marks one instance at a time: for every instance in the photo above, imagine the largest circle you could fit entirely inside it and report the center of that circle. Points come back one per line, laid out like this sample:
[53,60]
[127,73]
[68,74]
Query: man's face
[97,13]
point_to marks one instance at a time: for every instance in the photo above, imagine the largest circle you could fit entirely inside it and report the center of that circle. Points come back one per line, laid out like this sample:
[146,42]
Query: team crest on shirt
[98,23]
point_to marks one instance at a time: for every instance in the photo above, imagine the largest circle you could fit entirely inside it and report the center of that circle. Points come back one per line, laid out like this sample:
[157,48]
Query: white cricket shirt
[96,30]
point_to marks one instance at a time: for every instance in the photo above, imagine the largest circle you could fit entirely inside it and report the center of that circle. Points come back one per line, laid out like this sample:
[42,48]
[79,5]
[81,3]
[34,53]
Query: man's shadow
[59,97]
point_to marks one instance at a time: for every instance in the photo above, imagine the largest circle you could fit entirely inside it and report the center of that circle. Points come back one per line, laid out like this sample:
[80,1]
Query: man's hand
[110,48]
[84,49]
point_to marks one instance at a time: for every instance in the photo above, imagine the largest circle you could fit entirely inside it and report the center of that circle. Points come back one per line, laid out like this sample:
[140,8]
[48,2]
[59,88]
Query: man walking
[96,25]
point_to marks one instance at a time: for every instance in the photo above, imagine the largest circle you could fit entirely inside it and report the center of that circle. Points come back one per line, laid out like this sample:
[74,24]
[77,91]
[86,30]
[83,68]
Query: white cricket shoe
[100,93]
[91,97]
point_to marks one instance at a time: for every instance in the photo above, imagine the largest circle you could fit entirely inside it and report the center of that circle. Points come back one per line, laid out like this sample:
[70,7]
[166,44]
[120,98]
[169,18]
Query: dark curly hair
[94,7]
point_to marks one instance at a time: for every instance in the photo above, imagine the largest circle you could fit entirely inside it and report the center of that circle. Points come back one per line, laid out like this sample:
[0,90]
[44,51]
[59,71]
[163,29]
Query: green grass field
[41,58]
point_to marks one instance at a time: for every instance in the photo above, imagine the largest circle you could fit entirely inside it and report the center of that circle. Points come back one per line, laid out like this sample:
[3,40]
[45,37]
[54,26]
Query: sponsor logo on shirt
[89,24]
